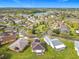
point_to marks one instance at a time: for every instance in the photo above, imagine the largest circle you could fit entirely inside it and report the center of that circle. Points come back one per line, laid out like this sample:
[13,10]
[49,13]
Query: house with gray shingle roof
[63,28]
[19,45]
[7,37]
[37,47]
[2,27]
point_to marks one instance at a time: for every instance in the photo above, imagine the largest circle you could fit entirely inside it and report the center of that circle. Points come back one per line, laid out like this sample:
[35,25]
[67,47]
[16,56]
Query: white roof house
[54,43]
[76,44]
[57,44]
[32,19]
[77,31]
[19,45]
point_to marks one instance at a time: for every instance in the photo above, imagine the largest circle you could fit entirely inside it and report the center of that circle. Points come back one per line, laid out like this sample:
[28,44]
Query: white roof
[57,44]
[60,46]
[76,43]
[77,31]
[54,42]
[47,38]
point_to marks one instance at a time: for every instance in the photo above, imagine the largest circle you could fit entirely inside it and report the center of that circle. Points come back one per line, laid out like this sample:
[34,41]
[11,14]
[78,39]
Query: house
[19,45]
[16,20]
[32,19]
[63,28]
[23,15]
[22,33]
[77,31]
[10,29]
[76,46]
[7,37]
[37,47]
[2,27]
[54,43]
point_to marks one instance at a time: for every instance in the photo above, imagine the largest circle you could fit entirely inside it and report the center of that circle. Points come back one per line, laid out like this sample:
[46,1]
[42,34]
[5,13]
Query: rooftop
[56,42]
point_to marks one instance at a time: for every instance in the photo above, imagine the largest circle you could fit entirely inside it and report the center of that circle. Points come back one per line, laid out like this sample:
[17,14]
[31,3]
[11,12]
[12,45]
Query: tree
[39,29]
[57,31]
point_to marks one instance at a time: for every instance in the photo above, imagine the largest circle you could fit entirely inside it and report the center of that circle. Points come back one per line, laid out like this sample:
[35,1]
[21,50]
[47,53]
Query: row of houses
[37,46]
[20,44]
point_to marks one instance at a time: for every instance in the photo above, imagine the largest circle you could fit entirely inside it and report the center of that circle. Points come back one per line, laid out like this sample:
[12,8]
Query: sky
[40,3]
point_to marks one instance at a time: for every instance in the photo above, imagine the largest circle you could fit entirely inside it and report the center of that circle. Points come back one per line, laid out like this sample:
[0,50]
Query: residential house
[2,21]
[77,31]
[7,37]
[32,19]
[54,43]
[63,28]
[10,29]
[19,45]
[16,20]
[24,15]
[2,27]
[37,47]
[1,16]
[76,46]
[22,33]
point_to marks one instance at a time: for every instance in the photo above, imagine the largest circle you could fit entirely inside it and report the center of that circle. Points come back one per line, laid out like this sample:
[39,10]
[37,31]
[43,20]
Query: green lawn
[68,53]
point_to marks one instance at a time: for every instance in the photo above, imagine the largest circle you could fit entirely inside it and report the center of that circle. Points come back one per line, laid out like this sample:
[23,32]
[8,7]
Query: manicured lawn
[68,53]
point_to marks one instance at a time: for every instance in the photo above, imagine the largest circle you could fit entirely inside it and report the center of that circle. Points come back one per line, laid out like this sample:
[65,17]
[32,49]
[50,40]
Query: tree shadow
[45,46]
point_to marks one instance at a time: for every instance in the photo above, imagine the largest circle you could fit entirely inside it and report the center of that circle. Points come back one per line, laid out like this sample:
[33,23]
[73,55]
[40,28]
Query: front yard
[68,53]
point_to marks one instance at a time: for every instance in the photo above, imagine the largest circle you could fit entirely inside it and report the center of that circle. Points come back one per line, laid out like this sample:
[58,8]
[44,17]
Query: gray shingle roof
[36,45]
[20,43]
